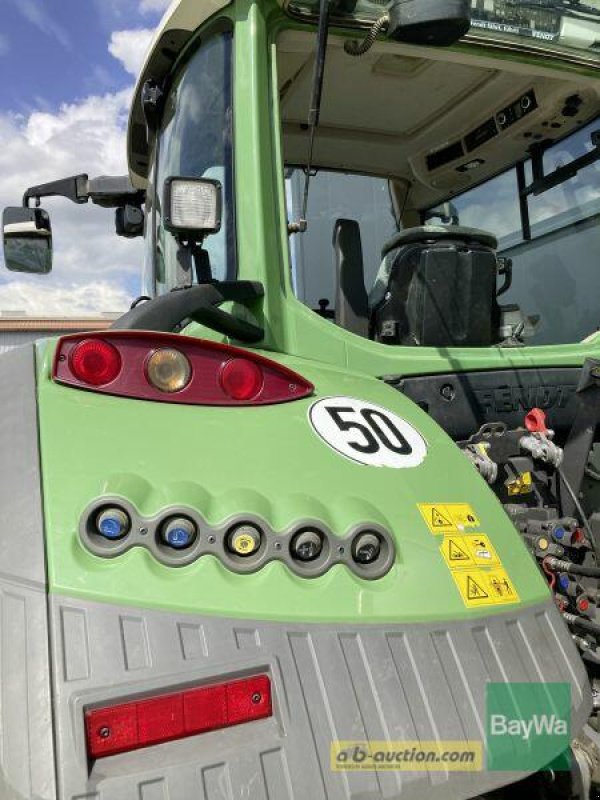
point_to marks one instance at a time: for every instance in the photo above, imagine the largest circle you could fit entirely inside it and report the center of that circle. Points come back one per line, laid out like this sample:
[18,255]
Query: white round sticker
[367,433]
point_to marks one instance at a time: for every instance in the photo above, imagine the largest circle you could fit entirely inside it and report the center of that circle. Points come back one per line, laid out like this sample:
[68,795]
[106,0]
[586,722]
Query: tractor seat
[436,287]
[351,302]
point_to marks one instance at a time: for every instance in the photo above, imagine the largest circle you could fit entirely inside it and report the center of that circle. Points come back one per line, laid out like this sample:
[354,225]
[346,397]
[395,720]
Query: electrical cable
[355,48]
[550,573]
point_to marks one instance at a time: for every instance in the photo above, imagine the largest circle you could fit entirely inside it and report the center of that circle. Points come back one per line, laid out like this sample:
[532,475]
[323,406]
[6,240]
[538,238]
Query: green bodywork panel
[266,461]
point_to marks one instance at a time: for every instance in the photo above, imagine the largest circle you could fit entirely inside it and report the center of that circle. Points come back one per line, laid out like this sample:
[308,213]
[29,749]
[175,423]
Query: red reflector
[95,361]
[129,726]
[243,705]
[111,730]
[241,379]
[160,719]
[205,710]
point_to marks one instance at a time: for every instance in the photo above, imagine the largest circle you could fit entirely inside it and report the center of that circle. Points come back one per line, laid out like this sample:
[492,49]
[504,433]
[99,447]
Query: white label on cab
[367,433]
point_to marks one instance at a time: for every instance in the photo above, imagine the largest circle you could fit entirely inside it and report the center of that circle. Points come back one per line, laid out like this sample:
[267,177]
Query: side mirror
[27,240]
[432,22]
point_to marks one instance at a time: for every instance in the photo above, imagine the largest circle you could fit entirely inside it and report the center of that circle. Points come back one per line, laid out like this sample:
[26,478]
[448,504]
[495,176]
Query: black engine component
[433,22]
[440,289]
[462,402]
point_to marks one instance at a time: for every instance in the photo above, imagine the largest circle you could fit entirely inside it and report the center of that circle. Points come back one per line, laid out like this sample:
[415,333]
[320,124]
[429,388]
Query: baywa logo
[528,726]
[544,724]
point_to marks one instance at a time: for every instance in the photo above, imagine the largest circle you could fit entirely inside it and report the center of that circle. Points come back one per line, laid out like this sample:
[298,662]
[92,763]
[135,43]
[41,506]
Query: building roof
[21,323]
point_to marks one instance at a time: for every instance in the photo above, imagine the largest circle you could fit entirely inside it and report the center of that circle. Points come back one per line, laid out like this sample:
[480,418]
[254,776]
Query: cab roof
[176,28]
[435,101]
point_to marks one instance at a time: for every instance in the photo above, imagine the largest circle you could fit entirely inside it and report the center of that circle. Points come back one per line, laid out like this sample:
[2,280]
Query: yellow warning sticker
[437,518]
[481,550]
[479,588]
[448,517]
[474,550]
[455,552]
[463,516]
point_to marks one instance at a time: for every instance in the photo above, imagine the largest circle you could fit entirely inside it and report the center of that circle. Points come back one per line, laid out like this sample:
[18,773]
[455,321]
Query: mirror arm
[106,191]
[74,189]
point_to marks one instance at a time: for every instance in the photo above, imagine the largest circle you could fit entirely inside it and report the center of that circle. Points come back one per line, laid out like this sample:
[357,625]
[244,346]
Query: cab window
[333,196]
[195,140]
[555,274]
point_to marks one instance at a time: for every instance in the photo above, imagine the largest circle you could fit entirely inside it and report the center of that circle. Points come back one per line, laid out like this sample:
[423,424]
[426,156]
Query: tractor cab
[325,502]
[465,186]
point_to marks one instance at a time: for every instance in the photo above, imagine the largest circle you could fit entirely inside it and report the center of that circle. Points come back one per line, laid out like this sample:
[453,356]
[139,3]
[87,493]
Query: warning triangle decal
[439,520]
[456,553]
[474,590]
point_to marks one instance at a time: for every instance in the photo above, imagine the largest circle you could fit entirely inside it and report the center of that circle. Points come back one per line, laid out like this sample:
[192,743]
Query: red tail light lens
[174,369]
[95,361]
[241,379]
[130,726]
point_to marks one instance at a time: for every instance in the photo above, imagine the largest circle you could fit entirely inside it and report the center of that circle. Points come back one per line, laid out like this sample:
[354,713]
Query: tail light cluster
[178,536]
[129,726]
[173,368]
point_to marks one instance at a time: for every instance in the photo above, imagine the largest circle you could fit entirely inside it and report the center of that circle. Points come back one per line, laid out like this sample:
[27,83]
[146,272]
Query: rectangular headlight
[192,206]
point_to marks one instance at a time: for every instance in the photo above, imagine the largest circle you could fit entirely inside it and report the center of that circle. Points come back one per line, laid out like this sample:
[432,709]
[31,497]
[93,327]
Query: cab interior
[430,124]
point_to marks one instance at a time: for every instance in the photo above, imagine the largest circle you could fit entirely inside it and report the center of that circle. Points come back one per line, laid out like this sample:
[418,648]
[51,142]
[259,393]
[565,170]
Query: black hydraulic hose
[582,623]
[557,565]
[588,528]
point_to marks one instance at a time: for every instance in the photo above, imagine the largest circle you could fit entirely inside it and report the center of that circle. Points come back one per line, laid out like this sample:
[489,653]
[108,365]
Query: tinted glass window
[492,207]
[556,276]
[574,199]
[196,141]
[333,196]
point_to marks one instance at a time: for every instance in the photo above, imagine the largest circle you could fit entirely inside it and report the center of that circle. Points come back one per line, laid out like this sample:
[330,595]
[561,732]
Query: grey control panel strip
[212,540]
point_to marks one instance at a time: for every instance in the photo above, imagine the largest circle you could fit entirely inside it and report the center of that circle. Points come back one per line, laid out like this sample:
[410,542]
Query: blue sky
[68,69]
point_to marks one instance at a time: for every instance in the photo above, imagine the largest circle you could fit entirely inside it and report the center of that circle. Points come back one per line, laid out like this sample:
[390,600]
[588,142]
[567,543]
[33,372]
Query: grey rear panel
[398,682]
[26,746]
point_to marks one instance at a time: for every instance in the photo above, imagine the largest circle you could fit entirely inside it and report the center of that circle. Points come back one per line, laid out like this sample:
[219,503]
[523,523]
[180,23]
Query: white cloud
[130,47]
[93,268]
[71,300]
[154,5]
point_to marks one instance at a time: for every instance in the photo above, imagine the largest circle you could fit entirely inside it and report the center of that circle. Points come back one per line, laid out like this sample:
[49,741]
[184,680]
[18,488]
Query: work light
[192,206]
